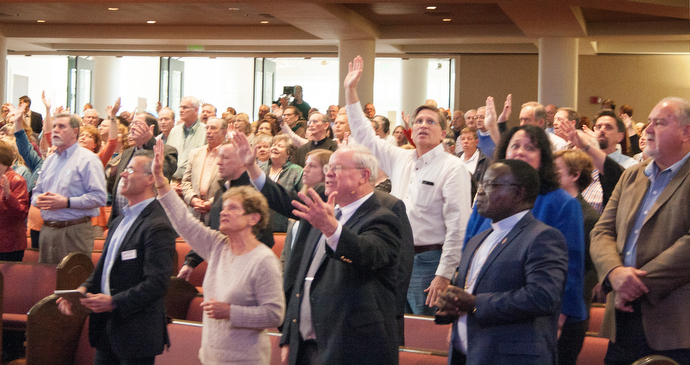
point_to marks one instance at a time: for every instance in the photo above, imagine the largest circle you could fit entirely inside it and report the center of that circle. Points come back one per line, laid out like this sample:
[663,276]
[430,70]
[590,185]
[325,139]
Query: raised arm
[490,121]
[352,79]
[586,143]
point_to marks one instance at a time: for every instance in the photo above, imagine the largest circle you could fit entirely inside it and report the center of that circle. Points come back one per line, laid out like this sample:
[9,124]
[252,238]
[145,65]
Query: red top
[13,212]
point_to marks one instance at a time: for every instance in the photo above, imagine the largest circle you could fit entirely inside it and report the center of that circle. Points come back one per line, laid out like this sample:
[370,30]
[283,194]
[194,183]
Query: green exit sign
[195,47]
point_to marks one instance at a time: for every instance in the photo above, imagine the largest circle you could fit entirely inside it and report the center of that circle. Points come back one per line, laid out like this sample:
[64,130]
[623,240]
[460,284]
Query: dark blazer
[483,163]
[169,167]
[353,290]
[192,259]
[518,296]
[36,122]
[137,325]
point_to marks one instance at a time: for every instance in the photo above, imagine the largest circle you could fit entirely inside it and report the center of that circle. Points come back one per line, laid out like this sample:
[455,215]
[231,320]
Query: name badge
[129,255]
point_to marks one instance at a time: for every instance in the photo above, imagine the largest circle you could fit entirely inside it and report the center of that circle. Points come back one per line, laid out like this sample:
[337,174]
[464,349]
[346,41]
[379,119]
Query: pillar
[558,63]
[3,68]
[107,79]
[413,83]
[347,51]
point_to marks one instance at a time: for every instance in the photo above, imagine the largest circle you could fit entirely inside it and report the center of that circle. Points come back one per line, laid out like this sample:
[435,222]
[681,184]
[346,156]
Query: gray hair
[74,120]
[363,159]
[538,109]
[223,122]
[682,112]
[193,100]
[290,147]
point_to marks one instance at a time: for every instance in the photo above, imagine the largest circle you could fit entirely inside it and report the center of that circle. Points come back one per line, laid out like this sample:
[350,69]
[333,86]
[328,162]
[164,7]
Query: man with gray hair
[200,180]
[188,135]
[640,246]
[384,128]
[317,126]
[533,113]
[68,192]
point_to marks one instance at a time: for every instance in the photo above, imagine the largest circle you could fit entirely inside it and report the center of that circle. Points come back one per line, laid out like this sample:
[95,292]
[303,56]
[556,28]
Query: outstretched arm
[352,79]
[490,121]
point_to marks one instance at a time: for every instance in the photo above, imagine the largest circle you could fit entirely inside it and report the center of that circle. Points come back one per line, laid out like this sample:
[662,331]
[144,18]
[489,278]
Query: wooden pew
[40,280]
[422,333]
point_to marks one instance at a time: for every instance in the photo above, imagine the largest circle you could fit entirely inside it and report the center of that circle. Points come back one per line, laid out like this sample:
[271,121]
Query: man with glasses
[186,136]
[435,187]
[127,288]
[505,301]
[317,126]
[290,117]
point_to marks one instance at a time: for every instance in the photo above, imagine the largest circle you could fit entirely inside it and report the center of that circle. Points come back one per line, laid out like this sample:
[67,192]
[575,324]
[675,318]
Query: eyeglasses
[310,122]
[490,185]
[186,107]
[288,114]
[337,168]
[130,171]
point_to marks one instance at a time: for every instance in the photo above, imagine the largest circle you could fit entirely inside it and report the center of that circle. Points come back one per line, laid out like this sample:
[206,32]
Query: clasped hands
[454,303]
[627,286]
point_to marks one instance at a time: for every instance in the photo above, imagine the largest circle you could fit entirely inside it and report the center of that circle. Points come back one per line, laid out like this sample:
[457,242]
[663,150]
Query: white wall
[317,76]
[47,73]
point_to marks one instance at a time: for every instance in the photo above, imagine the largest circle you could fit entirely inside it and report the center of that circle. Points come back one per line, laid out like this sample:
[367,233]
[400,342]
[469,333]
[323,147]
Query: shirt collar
[136,209]
[69,151]
[348,210]
[652,170]
[192,128]
[508,223]
[431,155]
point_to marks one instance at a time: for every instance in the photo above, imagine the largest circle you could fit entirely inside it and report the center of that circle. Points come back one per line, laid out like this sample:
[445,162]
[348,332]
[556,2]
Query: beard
[57,141]
[603,143]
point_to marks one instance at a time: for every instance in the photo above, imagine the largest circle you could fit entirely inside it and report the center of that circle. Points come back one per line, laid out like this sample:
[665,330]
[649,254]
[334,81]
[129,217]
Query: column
[3,69]
[413,83]
[558,63]
[107,79]
[347,51]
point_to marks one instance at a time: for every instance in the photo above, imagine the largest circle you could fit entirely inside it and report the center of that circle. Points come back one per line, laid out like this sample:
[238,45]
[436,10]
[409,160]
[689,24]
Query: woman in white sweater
[243,293]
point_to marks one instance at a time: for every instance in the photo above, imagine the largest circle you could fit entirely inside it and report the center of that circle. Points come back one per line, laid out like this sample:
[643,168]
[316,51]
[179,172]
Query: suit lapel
[468,254]
[137,222]
[503,243]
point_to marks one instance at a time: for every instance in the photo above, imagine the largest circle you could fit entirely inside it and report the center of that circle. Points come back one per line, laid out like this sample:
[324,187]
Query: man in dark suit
[141,135]
[35,119]
[347,271]
[512,277]
[127,288]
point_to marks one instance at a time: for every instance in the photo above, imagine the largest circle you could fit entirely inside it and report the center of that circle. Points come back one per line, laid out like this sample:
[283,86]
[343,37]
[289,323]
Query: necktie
[306,327]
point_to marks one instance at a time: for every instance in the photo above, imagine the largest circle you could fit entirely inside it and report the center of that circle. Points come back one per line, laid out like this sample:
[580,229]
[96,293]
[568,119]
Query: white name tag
[128,255]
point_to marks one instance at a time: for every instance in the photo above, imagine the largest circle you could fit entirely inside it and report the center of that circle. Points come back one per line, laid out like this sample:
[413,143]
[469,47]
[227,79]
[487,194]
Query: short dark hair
[151,121]
[526,178]
[25,99]
[572,114]
[619,125]
[627,109]
[547,171]
[385,123]
[441,120]
[148,154]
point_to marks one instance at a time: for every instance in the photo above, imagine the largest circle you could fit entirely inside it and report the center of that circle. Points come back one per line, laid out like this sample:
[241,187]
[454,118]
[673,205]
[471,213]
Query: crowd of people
[507,233]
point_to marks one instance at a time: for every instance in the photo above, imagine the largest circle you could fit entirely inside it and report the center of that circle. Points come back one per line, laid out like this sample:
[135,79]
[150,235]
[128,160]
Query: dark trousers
[570,342]
[34,238]
[307,353]
[12,256]
[457,357]
[106,356]
[631,343]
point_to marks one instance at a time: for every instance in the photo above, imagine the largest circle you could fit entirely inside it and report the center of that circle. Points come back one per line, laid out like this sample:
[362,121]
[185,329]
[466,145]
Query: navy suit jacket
[518,296]
[353,291]
[137,325]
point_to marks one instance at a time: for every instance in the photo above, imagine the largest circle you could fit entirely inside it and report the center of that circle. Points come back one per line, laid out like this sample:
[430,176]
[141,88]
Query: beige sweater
[250,283]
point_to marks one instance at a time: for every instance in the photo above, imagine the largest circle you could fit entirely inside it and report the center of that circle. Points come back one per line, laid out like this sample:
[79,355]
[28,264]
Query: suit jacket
[663,251]
[518,296]
[353,290]
[192,177]
[137,325]
[192,259]
[36,122]
[169,167]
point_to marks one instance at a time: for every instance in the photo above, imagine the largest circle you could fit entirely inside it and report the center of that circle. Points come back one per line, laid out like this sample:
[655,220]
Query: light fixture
[264,22]
[113,9]
[446,19]
[430,8]
[40,21]
[234,9]
[151,22]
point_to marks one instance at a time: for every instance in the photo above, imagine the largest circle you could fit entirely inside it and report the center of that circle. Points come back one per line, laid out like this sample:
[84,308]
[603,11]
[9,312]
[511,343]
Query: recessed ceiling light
[113,9]
[41,21]
[446,19]
[234,9]
[430,8]
[264,22]
[151,22]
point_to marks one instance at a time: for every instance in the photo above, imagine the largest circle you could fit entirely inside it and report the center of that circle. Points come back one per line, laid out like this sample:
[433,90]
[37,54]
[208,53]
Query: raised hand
[316,211]
[46,102]
[507,109]
[354,73]
[490,113]
[406,119]
[112,110]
